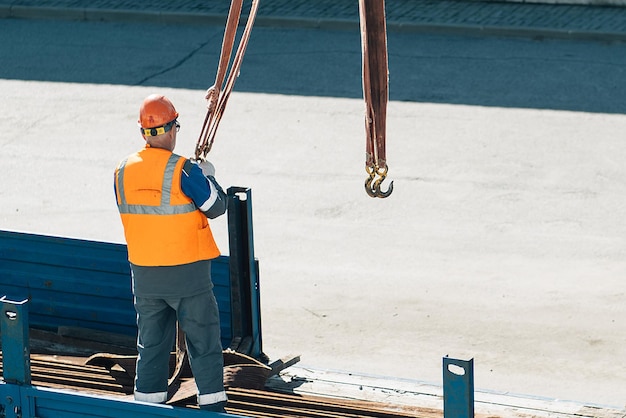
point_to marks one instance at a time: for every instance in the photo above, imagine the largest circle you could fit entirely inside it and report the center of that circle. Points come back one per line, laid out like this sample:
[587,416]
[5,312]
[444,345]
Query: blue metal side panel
[31,402]
[220,275]
[80,283]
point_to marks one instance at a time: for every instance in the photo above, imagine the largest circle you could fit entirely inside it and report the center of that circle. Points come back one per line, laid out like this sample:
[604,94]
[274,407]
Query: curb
[507,31]
[124,15]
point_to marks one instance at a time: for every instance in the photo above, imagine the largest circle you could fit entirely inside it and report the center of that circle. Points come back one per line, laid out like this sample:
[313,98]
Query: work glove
[208,170]
[211,98]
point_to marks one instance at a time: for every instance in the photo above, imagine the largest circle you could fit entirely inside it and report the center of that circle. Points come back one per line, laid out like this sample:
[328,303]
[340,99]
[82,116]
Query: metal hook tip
[382,194]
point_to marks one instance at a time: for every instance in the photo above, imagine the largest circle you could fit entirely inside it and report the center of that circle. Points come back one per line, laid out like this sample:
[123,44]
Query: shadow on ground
[480,71]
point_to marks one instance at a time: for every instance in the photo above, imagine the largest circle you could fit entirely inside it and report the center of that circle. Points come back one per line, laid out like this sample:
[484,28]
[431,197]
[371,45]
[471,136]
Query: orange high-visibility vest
[162,225]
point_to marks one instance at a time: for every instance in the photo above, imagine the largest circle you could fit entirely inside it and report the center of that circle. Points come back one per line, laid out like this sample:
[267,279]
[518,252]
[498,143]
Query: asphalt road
[504,240]
[479,71]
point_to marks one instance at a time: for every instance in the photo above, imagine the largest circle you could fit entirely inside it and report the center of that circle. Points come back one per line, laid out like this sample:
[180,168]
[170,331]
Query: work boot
[214,407]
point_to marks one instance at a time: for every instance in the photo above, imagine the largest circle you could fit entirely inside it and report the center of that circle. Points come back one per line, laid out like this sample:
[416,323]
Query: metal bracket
[244,273]
[458,388]
[10,402]
[15,344]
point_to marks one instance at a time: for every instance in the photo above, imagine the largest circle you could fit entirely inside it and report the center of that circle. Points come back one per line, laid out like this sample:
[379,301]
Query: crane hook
[373,190]
[380,193]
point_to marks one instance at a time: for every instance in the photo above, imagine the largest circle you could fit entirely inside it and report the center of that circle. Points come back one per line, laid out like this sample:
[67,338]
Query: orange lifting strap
[217,95]
[375,93]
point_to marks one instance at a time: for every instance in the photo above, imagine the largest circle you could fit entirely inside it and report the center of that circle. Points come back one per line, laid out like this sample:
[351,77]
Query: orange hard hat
[156,111]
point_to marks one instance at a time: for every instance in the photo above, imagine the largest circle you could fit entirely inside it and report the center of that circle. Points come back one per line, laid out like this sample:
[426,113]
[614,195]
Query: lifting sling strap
[218,94]
[375,93]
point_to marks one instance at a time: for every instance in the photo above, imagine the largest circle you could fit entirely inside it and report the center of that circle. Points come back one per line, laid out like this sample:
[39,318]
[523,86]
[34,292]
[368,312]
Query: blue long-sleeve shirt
[210,200]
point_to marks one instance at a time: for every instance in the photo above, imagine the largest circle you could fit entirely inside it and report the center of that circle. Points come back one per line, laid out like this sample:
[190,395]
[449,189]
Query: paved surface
[522,19]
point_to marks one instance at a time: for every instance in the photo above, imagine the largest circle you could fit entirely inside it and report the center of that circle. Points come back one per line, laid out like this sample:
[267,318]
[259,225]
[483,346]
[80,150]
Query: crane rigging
[218,94]
[375,86]
[375,92]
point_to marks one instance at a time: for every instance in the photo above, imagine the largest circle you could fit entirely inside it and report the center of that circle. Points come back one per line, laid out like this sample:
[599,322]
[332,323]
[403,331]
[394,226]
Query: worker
[164,201]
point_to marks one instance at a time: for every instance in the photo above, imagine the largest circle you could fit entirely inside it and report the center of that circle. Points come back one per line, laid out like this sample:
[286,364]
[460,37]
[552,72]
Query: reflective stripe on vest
[165,208]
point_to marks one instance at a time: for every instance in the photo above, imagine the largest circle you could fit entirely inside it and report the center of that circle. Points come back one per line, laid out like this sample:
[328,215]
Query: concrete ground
[503,240]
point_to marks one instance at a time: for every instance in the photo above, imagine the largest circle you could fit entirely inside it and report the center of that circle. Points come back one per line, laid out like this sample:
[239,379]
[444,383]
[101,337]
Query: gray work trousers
[198,317]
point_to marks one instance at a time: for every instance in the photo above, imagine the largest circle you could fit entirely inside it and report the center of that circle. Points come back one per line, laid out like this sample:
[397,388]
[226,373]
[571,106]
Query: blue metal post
[244,272]
[458,388]
[15,344]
